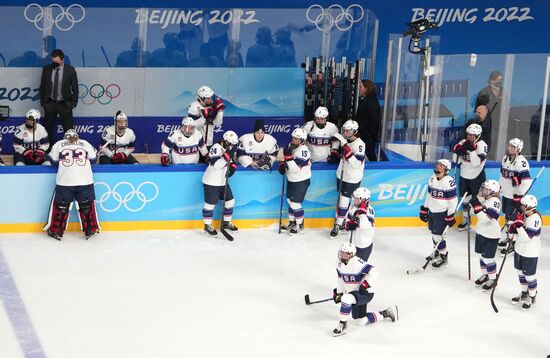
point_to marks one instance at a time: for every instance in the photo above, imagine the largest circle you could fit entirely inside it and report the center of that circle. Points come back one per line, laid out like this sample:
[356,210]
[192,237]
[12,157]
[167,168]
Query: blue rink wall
[146,197]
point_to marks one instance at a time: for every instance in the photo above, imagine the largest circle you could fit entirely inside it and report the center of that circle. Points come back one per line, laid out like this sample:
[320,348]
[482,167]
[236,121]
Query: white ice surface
[182,294]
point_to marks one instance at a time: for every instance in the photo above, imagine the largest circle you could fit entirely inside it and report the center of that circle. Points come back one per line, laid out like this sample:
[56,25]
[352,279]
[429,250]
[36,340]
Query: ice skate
[228,225]
[481,280]
[335,230]
[440,261]
[489,285]
[529,302]
[340,330]
[522,297]
[210,230]
[392,313]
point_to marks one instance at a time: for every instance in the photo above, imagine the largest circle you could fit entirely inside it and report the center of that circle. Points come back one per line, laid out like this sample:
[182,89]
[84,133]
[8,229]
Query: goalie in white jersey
[257,149]
[439,208]
[360,222]
[515,180]
[74,181]
[470,155]
[30,141]
[118,142]
[297,168]
[320,137]
[221,166]
[486,206]
[350,170]
[207,112]
[526,229]
[183,145]
[355,280]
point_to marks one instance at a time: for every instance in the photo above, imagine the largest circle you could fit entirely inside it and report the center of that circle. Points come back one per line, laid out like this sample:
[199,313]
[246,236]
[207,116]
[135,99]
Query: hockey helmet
[490,188]
[299,133]
[121,121]
[187,126]
[529,202]
[321,112]
[445,163]
[350,125]
[71,135]
[34,114]
[361,193]
[516,143]
[474,129]
[205,92]
[231,137]
[346,252]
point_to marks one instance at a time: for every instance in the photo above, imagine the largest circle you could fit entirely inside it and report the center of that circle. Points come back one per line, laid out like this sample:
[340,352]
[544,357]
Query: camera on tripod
[416,30]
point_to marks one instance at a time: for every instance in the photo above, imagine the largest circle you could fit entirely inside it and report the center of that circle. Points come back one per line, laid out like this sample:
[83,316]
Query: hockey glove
[424,213]
[516,224]
[119,158]
[164,159]
[517,199]
[28,154]
[226,155]
[337,297]
[450,220]
[287,152]
[231,169]
[282,168]
[218,105]
[39,156]
[346,151]
[470,146]
[209,114]
[351,224]
[516,180]
[364,288]
[459,149]
[476,205]
[264,163]
[334,157]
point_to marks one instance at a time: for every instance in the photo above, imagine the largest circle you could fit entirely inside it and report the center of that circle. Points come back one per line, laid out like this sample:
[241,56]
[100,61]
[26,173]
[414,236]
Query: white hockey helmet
[34,113]
[321,112]
[205,92]
[474,129]
[231,137]
[299,133]
[121,115]
[346,252]
[361,193]
[529,201]
[187,126]
[446,164]
[350,125]
[517,143]
[490,187]
[71,135]
[123,119]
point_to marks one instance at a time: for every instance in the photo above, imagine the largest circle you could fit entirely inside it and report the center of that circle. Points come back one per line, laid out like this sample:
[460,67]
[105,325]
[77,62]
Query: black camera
[418,27]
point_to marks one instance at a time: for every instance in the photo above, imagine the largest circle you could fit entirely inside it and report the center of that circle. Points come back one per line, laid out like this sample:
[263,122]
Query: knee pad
[208,207]
[349,299]
[294,206]
[230,203]
[344,201]
[487,261]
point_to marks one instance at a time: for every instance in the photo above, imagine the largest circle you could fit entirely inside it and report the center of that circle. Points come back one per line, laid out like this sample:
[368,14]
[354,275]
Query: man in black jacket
[368,117]
[58,93]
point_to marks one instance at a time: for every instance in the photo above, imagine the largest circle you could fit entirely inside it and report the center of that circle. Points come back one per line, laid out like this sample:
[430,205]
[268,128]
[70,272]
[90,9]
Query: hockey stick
[432,255]
[498,276]
[227,235]
[308,302]
[469,249]
[281,207]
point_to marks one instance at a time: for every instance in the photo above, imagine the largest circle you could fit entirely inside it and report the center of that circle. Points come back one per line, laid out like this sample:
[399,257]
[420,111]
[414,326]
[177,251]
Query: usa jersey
[250,150]
[351,275]
[184,150]
[320,140]
[441,196]
[23,139]
[364,234]
[487,219]
[123,143]
[473,163]
[299,168]
[519,167]
[74,162]
[195,111]
[354,166]
[217,167]
[528,241]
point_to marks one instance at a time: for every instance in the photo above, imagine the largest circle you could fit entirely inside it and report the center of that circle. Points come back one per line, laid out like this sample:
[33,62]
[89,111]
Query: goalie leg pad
[58,219]
[88,217]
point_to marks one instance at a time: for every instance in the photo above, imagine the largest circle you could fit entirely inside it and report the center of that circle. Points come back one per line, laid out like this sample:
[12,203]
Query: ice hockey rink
[182,294]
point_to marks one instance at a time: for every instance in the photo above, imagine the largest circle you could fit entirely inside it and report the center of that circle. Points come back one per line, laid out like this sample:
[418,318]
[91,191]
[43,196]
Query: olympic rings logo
[103,95]
[325,20]
[54,14]
[125,197]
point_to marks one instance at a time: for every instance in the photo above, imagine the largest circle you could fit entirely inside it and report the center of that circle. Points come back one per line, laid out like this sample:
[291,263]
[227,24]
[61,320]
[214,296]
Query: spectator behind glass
[135,57]
[368,117]
[283,49]
[261,53]
[171,55]
[483,118]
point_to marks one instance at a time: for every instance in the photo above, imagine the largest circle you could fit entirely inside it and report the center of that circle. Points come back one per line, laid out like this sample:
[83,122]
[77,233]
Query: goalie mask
[71,136]
[187,126]
[346,252]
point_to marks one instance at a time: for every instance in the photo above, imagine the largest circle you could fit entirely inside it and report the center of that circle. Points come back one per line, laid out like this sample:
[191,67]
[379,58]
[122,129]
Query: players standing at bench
[207,112]
[320,137]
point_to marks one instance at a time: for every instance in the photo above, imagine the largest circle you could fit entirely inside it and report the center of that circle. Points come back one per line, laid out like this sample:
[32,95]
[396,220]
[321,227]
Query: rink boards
[149,197]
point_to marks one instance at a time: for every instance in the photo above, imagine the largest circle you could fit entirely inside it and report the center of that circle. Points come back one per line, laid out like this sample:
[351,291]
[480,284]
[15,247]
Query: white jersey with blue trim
[528,238]
[182,149]
[251,150]
[23,139]
[195,111]
[363,236]
[124,143]
[299,168]
[354,166]
[510,167]
[487,219]
[351,275]
[472,163]
[441,195]
[217,167]
[74,162]
[320,140]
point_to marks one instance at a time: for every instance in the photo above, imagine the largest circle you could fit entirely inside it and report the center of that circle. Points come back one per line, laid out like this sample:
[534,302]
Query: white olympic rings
[133,192]
[44,18]
[325,20]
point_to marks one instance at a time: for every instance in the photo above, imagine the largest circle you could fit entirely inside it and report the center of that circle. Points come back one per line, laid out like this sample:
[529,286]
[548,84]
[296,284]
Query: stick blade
[227,235]
[306,298]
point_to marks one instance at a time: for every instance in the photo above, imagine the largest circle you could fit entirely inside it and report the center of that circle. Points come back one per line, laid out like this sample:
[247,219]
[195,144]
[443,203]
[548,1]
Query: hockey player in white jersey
[470,155]
[297,168]
[360,222]
[320,137]
[350,171]
[207,111]
[514,180]
[221,166]
[439,208]
[486,206]
[183,145]
[526,230]
[74,181]
[257,149]
[30,141]
[118,142]
[355,281]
